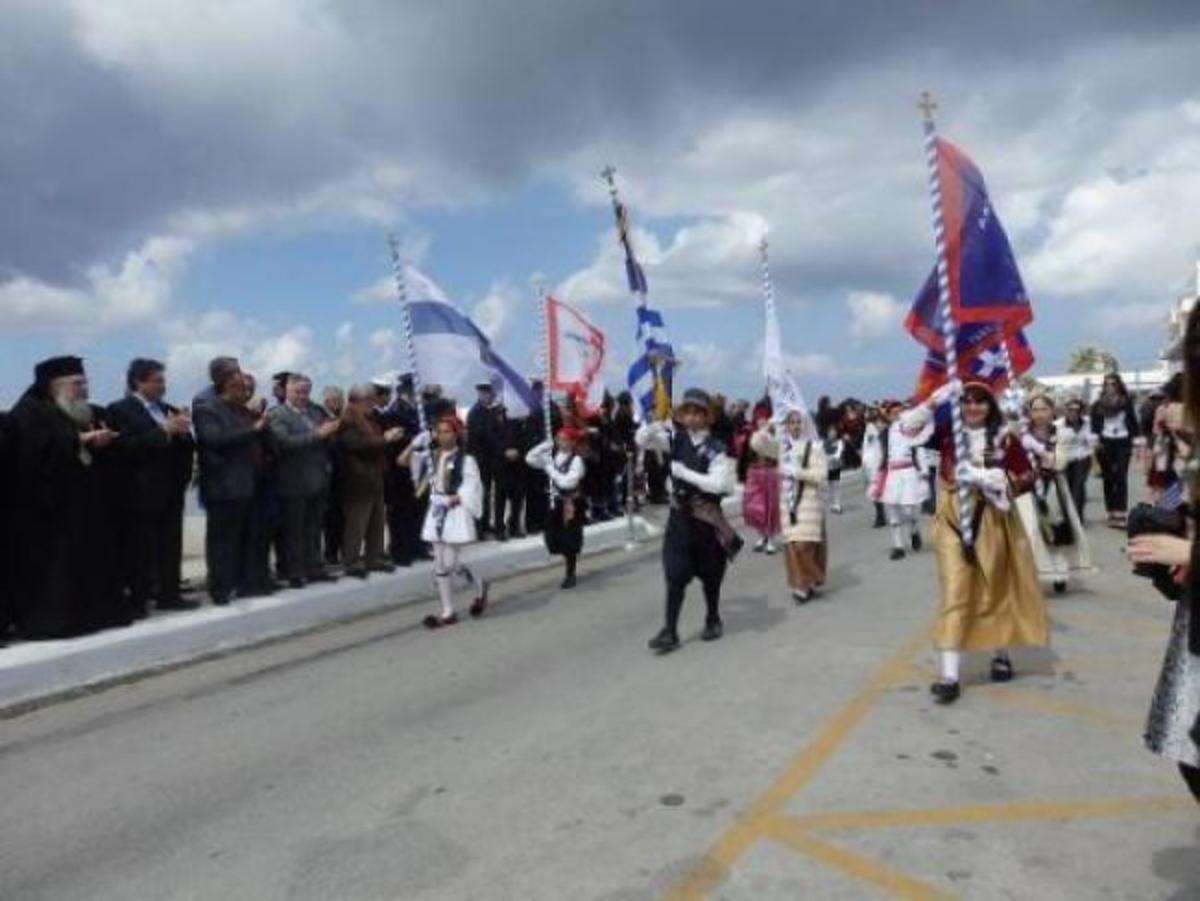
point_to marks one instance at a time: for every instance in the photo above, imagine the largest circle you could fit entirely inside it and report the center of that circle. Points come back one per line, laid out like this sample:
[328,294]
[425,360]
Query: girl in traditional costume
[1060,546]
[803,468]
[760,501]
[1077,445]
[455,503]
[990,597]
[566,470]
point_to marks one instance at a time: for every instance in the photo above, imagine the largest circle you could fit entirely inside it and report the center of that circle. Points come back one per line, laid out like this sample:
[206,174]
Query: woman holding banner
[990,597]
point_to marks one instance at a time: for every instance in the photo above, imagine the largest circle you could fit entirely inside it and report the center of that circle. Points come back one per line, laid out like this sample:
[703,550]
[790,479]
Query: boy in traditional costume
[899,482]
[699,542]
[455,503]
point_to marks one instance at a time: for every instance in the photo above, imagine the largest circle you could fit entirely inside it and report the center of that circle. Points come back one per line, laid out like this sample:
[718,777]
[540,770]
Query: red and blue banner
[987,296]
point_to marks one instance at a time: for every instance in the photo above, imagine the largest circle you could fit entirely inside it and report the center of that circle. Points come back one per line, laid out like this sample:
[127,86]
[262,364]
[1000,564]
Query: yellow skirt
[994,601]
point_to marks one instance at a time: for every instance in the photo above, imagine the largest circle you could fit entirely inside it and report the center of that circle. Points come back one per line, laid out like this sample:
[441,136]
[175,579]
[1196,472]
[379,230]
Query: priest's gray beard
[79,410]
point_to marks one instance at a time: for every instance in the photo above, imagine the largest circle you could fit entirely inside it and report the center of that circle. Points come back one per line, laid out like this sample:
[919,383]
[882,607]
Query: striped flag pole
[410,344]
[949,327]
[544,301]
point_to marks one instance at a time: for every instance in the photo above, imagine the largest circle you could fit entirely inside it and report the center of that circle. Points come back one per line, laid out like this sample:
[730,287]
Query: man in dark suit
[230,439]
[300,435]
[485,442]
[153,455]
[405,511]
[8,458]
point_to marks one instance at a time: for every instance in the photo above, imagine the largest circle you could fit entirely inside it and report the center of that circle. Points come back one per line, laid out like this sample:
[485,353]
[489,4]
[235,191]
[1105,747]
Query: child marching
[834,452]
[804,469]
[899,483]
[455,503]
[565,469]
[699,542]
[1048,513]
[760,502]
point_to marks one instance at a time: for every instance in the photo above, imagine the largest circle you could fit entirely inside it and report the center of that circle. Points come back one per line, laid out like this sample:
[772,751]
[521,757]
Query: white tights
[447,564]
[951,663]
[901,517]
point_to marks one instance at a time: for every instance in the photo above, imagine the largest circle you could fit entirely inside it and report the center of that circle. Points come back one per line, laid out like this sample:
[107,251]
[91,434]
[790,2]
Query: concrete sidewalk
[35,671]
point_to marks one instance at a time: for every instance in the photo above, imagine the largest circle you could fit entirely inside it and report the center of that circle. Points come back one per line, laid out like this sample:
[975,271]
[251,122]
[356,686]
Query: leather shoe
[664,642]
[712,631]
[945,692]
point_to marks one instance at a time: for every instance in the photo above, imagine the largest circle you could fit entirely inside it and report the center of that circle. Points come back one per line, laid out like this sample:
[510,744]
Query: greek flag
[651,389]
[452,352]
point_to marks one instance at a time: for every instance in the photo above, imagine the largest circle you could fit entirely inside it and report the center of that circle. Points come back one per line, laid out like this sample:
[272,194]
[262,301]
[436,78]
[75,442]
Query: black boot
[664,642]
[712,631]
[945,692]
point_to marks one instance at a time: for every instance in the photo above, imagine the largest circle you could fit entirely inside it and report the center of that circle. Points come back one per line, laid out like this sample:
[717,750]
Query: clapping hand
[326,429]
[394,434]
[178,423]
[101,436]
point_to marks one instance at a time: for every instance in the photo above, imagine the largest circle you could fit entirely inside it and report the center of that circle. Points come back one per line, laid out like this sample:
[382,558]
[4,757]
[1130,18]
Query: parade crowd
[298,490]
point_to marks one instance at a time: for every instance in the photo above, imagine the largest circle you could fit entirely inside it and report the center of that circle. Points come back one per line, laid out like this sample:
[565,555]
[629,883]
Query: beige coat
[810,514]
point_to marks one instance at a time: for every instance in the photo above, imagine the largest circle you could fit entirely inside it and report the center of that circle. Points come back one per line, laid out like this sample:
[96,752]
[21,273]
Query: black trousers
[229,545]
[1114,469]
[537,501]
[691,551]
[405,516]
[151,556]
[334,526]
[487,478]
[301,522]
[1077,475]
[510,496]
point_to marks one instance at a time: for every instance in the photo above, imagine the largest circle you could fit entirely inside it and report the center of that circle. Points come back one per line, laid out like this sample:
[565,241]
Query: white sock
[951,662]
[897,531]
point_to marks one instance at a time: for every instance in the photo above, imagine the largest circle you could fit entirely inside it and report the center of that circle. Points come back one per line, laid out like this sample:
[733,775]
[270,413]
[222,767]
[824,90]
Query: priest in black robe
[68,578]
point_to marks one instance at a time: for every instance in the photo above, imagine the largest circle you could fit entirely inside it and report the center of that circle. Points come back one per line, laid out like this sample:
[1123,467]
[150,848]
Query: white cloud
[501,307]
[136,291]
[193,340]
[873,315]
[710,263]
[1133,316]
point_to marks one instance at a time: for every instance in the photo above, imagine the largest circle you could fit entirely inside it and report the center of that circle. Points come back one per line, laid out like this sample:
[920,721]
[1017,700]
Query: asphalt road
[543,752]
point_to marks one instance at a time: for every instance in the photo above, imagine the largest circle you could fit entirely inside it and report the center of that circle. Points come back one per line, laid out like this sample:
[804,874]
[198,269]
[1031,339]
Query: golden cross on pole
[927,105]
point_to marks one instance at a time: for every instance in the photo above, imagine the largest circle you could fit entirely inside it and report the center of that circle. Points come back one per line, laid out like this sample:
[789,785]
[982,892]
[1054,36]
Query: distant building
[1140,381]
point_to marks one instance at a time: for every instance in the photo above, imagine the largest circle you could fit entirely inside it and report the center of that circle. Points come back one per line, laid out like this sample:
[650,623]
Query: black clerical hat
[57,367]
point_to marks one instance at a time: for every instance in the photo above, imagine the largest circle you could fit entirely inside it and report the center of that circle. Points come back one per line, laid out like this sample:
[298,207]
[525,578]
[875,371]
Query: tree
[1091,359]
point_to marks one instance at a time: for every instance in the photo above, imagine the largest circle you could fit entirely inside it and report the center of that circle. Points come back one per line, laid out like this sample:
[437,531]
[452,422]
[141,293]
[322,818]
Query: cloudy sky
[180,178]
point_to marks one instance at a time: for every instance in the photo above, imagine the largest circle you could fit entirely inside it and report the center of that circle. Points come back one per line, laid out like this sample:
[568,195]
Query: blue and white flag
[652,339]
[452,352]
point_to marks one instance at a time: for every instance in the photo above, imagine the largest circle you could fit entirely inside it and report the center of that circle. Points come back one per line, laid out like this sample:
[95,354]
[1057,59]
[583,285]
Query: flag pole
[410,344]
[544,302]
[927,105]
[768,304]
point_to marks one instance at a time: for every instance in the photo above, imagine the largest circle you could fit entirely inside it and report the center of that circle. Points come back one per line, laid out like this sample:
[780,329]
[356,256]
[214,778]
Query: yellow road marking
[897,884]
[1016,812]
[714,866]
[1039,702]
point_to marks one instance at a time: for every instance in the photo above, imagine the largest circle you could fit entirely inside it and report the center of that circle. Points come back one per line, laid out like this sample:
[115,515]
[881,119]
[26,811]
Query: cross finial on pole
[926,104]
[608,173]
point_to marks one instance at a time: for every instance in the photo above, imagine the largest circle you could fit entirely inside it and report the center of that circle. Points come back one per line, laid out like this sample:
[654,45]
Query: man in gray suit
[230,439]
[300,433]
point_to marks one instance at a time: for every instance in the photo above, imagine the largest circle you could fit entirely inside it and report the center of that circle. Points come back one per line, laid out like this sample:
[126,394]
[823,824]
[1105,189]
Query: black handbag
[1147,519]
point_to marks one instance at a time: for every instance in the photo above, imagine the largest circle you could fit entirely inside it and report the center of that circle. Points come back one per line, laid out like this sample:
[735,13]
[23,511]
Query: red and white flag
[576,355]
